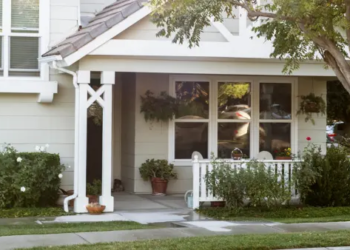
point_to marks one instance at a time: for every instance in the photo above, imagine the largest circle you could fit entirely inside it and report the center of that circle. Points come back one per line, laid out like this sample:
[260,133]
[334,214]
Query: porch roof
[102,22]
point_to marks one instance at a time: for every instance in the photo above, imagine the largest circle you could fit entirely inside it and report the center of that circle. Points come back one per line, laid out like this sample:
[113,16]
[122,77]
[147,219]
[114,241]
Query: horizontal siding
[91,7]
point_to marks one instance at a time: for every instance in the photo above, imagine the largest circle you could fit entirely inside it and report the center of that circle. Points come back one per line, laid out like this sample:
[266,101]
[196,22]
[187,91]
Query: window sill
[45,89]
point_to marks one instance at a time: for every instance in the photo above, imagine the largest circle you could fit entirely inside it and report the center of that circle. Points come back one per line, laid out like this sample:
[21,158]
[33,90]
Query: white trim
[108,35]
[223,30]
[45,89]
[213,121]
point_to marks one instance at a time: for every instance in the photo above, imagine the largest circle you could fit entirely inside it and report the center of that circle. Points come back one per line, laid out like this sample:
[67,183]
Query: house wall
[128,81]
[146,30]
[91,7]
[317,132]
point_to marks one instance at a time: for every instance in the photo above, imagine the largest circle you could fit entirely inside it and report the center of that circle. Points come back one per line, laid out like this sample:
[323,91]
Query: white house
[114,43]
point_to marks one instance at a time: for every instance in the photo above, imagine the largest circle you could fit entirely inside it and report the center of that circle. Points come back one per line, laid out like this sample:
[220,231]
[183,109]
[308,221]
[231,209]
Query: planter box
[280,158]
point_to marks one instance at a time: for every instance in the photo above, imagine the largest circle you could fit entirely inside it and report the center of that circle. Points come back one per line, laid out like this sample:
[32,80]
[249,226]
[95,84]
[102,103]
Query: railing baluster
[210,170]
[203,182]
[195,189]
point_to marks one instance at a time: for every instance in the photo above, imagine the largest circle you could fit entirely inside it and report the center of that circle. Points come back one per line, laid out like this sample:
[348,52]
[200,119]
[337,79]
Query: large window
[20,38]
[218,116]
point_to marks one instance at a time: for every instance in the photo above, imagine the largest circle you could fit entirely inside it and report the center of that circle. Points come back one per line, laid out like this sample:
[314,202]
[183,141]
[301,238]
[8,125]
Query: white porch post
[82,201]
[107,80]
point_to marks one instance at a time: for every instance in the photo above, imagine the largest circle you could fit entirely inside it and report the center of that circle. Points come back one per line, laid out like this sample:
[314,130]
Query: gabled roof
[102,22]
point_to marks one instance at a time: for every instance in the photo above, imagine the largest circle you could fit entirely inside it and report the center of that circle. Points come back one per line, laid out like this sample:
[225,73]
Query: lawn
[32,212]
[283,214]
[238,242]
[59,228]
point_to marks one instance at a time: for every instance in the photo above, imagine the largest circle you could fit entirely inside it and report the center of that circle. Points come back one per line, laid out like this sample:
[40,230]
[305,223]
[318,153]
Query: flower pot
[218,204]
[95,210]
[93,198]
[237,157]
[312,107]
[283,158]
[159,186]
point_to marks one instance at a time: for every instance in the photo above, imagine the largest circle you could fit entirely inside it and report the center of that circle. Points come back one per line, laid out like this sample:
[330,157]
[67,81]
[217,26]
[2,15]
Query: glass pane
[190,137]
[275,101]
[24,53]
[231,136]
[234,100]
[275,137]
[25,14]
[194,100]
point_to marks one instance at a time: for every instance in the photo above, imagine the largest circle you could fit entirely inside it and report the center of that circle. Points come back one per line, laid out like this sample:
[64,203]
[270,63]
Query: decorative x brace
[95,96]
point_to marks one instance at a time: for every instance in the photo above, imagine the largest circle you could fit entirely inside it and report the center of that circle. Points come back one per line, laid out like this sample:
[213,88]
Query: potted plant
[159,172]
[237,154]
[95,208]
[160,108]
[94,190]
[311,104]
[283,154]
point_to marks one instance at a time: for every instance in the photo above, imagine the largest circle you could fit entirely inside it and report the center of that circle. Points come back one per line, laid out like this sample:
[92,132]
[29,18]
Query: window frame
[213,112]
[43,35]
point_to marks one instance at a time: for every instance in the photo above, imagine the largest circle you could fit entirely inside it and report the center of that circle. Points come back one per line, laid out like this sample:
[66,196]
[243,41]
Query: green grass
[238,242]
[283,214]
[32,212]
[59,228]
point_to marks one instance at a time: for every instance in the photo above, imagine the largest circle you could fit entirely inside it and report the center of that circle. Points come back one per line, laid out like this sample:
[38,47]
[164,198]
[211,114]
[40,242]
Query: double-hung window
[21,33]
[220,114]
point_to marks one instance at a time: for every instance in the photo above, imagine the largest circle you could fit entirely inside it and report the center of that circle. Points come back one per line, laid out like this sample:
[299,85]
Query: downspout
[76,134]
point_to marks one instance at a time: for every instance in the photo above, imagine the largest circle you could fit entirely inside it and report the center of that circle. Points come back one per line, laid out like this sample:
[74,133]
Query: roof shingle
[103,21]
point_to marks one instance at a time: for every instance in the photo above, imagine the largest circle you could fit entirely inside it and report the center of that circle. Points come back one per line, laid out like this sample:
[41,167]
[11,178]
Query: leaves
[311,104]
[157,169]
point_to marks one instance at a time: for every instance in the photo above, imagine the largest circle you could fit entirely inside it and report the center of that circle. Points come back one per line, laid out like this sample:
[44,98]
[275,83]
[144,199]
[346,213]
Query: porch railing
[202,167]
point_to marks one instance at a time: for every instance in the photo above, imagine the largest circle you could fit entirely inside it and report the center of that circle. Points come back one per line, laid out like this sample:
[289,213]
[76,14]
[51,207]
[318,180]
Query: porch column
[107,80]
[82,201]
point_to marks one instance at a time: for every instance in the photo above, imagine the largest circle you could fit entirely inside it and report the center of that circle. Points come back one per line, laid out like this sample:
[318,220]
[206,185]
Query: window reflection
[190,137]
[275,136]
[275,101]
[234,100]
[194,100]
[231,136]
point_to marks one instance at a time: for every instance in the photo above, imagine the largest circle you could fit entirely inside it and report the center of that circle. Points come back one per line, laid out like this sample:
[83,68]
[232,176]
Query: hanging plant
[96,112]
[311,104]
[160,108]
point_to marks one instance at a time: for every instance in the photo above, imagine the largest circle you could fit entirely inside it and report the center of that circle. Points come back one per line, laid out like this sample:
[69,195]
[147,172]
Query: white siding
[317,132]
[91,7]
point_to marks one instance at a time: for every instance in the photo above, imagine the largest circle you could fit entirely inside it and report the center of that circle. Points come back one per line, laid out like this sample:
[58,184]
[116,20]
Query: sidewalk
[193,229]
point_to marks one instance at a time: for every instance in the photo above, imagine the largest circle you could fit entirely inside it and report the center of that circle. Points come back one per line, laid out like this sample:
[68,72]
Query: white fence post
[195,171]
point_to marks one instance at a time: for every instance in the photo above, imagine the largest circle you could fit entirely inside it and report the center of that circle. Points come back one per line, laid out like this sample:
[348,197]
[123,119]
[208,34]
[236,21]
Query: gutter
[76,134]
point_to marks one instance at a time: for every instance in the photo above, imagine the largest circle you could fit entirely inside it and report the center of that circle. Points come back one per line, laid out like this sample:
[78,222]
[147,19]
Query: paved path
[27,241]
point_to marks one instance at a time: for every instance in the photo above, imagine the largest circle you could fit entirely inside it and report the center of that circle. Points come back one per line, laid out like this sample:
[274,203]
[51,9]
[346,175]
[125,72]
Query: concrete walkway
[192,230]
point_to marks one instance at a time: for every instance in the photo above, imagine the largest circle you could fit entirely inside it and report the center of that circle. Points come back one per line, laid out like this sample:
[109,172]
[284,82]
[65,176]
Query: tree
[299,29]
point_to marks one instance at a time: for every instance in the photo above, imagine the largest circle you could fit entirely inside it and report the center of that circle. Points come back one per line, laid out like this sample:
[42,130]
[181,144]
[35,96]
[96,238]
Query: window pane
[274,136]
[231,136]
[190,137]
[25,14]
[24,53]
[194,100]
[234,100]
[275,101]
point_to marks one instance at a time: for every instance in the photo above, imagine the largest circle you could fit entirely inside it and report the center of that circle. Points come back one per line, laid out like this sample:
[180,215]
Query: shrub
[157,169]
[95,188]
[324,180]
[258,184]
[29,179]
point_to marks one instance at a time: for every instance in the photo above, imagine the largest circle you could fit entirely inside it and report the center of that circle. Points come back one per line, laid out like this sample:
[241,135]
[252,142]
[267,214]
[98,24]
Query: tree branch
[330,60]
[347,16]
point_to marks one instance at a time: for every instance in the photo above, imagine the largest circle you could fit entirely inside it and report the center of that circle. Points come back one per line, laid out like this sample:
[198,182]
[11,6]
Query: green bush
[95,188]
[29,179]
[157,169]
[258,184]
[324,180]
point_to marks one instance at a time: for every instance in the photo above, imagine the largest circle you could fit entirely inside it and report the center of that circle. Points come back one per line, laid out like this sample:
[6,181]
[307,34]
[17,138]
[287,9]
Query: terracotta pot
[93,198]
[218,204]
[312,107]
[237,157]
[159,186]
[96,210]
[283,158]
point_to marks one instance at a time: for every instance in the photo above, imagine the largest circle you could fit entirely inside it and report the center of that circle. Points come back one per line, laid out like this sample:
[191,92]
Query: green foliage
[36,174]
[257,183]
[20,212]
[324,180]
[158,108]
[157,169]
[95,188]
[311,104]
[232,90]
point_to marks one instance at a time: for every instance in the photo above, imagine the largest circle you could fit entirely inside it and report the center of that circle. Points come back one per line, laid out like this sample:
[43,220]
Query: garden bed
[283,214]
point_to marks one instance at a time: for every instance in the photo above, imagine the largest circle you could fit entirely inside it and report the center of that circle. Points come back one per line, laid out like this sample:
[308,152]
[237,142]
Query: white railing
[202,167]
